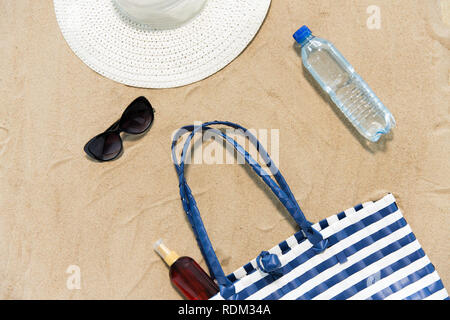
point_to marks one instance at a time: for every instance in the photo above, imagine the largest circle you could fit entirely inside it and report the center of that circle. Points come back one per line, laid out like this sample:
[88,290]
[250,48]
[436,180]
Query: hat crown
[161,14]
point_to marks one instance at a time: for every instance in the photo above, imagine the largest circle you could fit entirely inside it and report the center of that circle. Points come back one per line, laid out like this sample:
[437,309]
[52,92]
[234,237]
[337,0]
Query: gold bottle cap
[168,255]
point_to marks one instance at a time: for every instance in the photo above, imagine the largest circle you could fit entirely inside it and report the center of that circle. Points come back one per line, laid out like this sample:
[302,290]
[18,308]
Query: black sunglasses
[136,119]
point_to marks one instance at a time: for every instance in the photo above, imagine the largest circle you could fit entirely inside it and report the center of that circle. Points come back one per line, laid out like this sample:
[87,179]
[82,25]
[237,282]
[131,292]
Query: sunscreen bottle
[186,274]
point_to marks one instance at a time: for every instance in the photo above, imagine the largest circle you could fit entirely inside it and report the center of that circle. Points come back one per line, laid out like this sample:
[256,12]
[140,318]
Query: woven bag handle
[280,189]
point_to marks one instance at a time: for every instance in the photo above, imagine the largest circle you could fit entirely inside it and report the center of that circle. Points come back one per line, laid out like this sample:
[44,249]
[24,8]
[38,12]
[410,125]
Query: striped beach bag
[365,252]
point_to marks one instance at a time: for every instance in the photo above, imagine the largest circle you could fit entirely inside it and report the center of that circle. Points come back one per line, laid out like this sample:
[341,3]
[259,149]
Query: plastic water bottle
[345,87]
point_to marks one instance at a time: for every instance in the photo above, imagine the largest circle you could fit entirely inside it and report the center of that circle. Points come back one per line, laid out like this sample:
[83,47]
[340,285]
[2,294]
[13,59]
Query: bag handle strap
[281,190]
[292,206]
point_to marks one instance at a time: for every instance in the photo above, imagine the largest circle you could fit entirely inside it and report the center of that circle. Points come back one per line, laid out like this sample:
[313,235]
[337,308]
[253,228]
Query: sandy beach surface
[59,210]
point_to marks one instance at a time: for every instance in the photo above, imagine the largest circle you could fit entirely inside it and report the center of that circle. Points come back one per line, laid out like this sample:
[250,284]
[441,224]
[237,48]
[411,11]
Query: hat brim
[136,55]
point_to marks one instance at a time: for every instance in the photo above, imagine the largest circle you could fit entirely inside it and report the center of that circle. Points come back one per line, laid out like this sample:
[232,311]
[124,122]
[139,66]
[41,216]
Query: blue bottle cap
[302,34]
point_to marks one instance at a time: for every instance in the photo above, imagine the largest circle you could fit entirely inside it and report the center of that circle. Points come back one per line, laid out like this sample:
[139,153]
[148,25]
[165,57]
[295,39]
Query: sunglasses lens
[137,117]
[106,146]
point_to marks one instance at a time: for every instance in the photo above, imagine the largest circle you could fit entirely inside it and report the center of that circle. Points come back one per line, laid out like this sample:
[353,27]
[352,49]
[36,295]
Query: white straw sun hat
[159,43]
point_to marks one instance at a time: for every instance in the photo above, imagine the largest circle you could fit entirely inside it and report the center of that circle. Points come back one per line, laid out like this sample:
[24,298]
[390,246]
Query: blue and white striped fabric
[373,254]
[366,252]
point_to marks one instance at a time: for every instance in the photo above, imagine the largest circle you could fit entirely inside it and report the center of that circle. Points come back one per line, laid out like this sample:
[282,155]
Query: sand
[60,211]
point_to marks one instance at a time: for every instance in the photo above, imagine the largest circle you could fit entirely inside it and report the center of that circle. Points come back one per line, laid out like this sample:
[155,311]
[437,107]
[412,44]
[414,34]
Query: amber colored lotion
[186,275]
